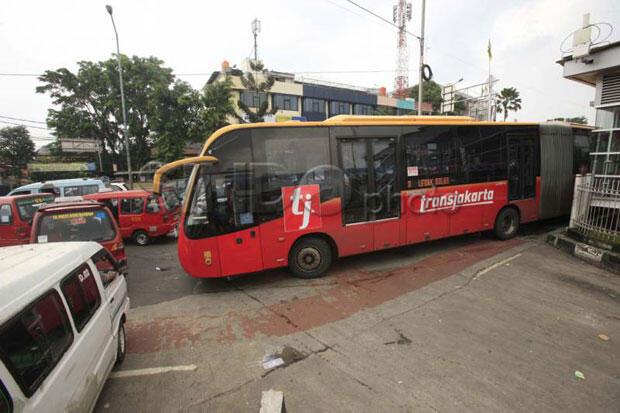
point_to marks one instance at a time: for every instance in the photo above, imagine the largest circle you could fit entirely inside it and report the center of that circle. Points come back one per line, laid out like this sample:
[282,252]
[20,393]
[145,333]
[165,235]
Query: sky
[320,39]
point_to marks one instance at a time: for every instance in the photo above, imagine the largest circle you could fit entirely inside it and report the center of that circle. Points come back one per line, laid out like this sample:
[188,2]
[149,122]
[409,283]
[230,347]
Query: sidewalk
[459,326]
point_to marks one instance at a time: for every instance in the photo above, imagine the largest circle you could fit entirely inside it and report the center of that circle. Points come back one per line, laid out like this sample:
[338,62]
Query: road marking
[497,264]
[150,371]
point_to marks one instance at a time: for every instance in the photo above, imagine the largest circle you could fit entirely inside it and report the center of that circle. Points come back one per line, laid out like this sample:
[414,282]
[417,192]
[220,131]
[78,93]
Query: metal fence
[595,212]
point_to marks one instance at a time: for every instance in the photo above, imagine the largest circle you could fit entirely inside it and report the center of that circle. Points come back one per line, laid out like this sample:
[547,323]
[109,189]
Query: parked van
[79,220]
[142,215]
[16,214]
[62,187]
[62,312]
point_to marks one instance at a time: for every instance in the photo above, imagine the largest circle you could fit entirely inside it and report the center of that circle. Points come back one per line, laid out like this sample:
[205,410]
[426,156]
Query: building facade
[596,204]
[306,99]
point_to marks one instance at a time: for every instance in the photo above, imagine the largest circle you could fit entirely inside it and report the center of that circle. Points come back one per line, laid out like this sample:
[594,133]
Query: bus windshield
[77,225]
[27,207]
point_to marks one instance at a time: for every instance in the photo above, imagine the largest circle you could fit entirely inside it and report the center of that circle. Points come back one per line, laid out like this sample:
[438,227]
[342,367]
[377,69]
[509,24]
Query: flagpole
[490,83]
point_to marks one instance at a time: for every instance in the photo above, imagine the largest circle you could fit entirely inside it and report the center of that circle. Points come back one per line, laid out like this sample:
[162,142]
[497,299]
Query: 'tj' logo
[301,207]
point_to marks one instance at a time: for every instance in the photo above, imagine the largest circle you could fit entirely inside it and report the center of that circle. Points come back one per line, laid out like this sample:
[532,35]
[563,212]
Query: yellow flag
[489,50]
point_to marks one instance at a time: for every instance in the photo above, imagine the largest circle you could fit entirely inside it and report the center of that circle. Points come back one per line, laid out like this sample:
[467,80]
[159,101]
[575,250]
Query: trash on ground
[157,268]
[270,363]
[579,375]
[603,337]
[284,357]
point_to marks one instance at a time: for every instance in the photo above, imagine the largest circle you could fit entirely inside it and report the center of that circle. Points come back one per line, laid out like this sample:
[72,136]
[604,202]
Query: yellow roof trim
[390,119]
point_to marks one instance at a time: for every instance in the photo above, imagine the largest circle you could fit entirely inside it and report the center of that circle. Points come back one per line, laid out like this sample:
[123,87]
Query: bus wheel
[507,223]
[141,238]
[121,348]
[310,258]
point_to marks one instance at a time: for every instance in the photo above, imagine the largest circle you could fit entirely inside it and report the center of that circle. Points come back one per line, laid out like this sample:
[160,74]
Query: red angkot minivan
[16,214]
[79,221]
[142,215]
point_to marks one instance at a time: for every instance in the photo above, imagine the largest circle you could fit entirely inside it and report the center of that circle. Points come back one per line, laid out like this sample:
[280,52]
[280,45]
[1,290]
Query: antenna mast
[401,15]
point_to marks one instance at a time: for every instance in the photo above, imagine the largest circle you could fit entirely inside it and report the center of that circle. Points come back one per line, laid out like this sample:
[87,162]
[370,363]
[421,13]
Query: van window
[72,191]
[152,205]
[27,207]
[106,266]
[82,295]
[33,342]
[6,214]
[132,205]
[171,200]
[94,224]
[6,404]
[90,189]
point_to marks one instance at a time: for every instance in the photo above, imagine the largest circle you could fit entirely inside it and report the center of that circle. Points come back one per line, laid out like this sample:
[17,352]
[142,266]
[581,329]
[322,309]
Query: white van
[62,311]
[64,187]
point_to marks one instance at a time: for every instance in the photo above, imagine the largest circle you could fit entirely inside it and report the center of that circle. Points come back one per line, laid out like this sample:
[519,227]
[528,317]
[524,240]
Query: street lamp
[120,75]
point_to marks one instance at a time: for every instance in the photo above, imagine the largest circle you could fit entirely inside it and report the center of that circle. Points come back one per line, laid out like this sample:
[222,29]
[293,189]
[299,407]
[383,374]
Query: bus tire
[141,237]
[310,258]
[506,223]
[121,348]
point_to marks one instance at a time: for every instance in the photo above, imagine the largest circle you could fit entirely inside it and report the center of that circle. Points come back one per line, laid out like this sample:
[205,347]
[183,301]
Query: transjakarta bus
[303,193]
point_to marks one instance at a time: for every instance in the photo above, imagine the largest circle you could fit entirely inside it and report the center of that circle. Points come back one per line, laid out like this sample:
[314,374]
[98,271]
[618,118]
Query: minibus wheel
[310,258]
[507,223]
[121,349]
[141,238]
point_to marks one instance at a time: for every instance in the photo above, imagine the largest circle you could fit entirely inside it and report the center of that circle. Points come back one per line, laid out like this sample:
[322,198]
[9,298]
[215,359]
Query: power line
[21,124]
[22,120]
[21,74]
[381,18]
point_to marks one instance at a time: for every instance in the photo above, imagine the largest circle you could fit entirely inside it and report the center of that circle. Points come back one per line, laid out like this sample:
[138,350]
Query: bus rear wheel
[507,223]
[310,258]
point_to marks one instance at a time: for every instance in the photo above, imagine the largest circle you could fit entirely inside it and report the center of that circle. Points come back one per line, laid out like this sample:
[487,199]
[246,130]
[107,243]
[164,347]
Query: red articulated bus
[303,193]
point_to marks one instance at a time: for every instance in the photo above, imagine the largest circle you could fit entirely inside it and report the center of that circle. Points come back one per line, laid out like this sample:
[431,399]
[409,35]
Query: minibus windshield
[93,224]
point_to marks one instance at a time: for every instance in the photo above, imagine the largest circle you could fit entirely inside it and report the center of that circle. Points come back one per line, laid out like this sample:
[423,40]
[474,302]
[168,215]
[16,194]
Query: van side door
[114,285]
[130,216]
[90,358]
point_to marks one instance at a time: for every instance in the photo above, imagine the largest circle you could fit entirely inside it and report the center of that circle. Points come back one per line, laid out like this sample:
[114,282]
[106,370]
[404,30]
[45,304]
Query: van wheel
[141,238]
[507,224]
[121,349]
[310,258]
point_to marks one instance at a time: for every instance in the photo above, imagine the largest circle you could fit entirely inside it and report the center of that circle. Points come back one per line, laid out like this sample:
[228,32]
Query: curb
[586,252]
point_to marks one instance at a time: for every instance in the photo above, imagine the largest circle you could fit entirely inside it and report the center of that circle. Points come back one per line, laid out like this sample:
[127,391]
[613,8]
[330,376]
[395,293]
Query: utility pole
[120,75]
[421,60]
[490,81]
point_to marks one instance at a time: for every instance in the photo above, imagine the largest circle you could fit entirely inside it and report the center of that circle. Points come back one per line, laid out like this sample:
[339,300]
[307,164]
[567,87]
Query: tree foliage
[251,82]
[431,92]
[508,101]
[577,119]
[16,148]
[89,104]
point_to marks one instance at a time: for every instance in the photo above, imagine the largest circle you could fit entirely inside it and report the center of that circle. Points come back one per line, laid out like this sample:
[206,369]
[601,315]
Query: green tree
[577,119]
[175,120]
[89,104]
[508,101]
[431,92]
[251,82]
[16,149]
[217,106]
